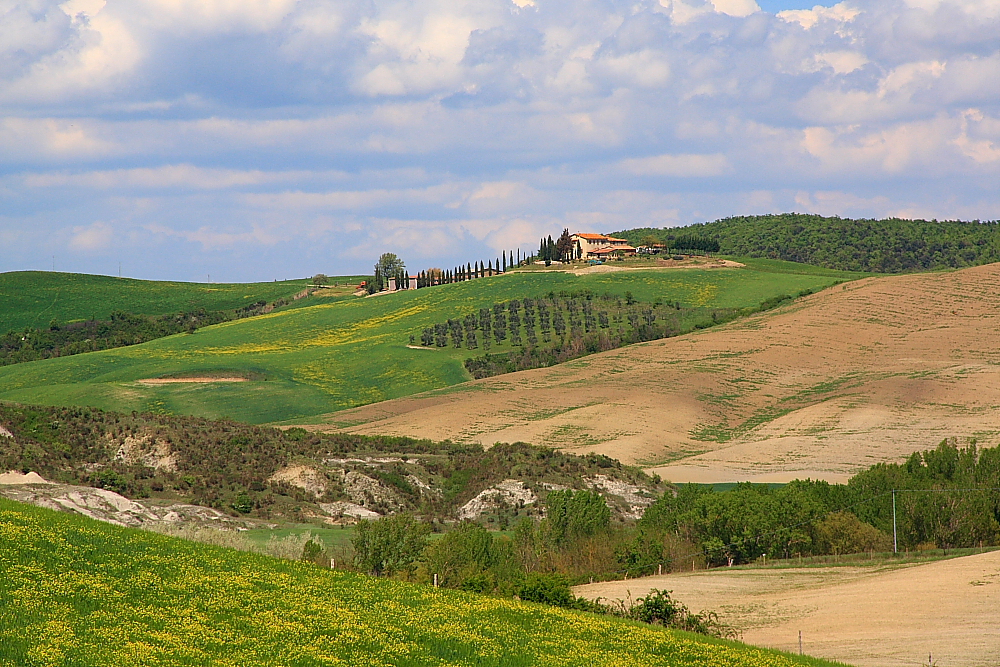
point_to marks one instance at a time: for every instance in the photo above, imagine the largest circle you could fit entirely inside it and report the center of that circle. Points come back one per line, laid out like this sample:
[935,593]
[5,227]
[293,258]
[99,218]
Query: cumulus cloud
[444,127]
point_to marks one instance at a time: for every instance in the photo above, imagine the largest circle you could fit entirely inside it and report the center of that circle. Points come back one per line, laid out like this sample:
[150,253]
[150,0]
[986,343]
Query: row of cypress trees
[470,271]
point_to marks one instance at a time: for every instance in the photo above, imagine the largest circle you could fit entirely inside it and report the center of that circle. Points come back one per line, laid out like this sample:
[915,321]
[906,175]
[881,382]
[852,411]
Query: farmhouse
[600,246]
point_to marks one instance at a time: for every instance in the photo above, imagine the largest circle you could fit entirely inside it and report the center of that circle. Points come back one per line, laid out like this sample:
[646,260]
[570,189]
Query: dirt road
[870,617]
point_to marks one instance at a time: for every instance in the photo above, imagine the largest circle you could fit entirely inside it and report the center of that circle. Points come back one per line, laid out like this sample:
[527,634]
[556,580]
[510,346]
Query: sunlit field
[79,592]
[326,356]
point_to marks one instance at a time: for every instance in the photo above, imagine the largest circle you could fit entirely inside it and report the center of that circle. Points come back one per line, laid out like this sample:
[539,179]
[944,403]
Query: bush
[548,588]
[658,608]
[574,514]
[844,533]
[388,545]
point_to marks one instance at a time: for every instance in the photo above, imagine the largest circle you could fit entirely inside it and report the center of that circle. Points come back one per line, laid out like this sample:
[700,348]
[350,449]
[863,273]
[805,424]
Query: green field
[331,355]
[35,298]
[78,592]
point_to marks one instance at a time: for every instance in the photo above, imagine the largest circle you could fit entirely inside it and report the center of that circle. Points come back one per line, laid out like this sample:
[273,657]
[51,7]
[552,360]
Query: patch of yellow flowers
[76,592]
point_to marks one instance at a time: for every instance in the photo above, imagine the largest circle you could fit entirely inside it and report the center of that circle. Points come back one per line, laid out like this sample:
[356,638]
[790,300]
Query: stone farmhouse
[600,246]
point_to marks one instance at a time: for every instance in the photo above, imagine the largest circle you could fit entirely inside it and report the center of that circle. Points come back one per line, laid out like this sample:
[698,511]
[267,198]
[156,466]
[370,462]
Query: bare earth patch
[152,382]
[687,263]
[869,617]
[860,373]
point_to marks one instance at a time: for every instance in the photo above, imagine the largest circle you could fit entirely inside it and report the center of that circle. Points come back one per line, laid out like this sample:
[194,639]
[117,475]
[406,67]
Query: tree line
[947,497]
[389,265]
[527,564]
[890,245]
[119,330]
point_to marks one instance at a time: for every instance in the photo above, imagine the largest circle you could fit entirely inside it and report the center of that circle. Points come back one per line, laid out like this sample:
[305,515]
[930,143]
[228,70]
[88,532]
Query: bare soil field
[152,382]
[687,263]
[860,373]
[865,616]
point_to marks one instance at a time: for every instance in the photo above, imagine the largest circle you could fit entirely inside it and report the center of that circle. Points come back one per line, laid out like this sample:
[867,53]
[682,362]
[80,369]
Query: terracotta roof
[612,238]
[592,237]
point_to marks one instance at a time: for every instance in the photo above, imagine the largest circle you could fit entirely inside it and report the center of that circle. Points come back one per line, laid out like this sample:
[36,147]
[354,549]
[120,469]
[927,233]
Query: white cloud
[451,124]
[169,176]
[96,236]
[810,18]
[677,165]
[738,8]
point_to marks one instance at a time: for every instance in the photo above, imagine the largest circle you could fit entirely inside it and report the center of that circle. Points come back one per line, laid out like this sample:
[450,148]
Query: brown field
[860,373]
[152,382]
[866,616]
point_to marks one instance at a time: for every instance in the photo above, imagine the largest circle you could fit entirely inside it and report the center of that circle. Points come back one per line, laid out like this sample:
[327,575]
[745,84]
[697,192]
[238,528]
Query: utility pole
[895,545]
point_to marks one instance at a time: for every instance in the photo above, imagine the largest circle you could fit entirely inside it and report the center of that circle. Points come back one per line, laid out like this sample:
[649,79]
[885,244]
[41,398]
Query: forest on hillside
[892,245]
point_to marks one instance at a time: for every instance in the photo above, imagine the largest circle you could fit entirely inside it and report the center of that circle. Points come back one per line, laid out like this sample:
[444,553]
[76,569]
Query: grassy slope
[330,356]
[35,298]
[79,592]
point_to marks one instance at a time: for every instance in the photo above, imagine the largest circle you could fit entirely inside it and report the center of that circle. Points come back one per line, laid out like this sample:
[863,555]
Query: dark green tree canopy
[892,245]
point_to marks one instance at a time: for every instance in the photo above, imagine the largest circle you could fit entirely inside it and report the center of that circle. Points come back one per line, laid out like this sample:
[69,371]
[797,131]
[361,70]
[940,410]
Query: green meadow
[35,298]
[75,591]
[326,355]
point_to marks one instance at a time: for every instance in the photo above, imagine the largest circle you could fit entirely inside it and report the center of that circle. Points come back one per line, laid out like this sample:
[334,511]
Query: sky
[256,140]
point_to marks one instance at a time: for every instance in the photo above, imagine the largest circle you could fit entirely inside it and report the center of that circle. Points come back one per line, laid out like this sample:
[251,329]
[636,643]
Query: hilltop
[327,355]
[35,298]
[882,246]
[824,387]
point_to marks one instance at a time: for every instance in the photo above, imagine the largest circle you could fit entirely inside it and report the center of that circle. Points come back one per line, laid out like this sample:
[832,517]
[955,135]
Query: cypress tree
[504,261]
[468,270]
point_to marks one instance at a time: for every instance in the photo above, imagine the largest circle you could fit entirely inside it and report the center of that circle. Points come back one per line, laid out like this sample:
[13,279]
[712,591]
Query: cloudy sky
[262,139]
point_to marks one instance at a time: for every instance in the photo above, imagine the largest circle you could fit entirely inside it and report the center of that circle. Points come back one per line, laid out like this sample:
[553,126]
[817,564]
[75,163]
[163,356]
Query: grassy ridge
[78,592]
[330,356]
[35,298]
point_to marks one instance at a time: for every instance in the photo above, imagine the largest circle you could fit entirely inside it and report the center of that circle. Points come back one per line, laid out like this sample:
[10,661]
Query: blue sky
[262,139]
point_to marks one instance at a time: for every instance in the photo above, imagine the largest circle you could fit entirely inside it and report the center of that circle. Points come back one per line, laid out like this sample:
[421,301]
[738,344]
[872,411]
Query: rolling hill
[861,373]
[35,298]
[315,359]
[77,591]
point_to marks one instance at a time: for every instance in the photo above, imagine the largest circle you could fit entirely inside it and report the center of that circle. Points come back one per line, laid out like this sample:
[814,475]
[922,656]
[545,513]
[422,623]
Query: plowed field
[859,373]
